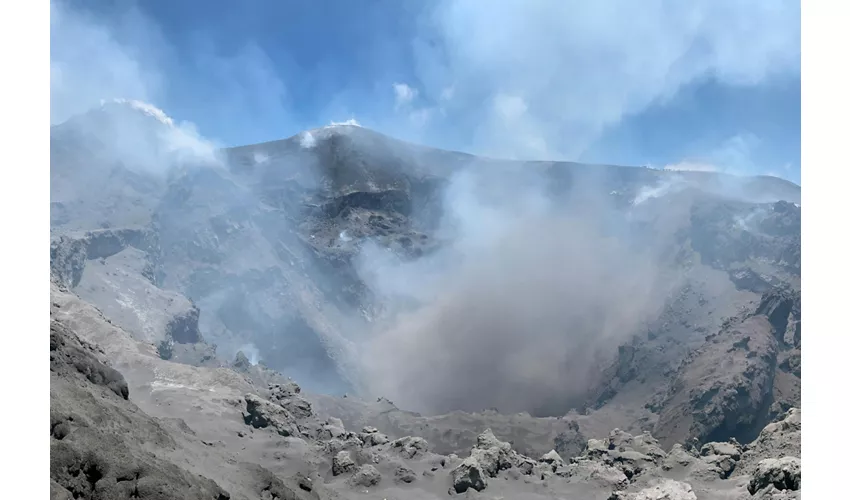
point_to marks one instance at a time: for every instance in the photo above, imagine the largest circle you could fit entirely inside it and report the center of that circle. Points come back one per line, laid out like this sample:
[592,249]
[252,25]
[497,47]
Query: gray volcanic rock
[779,438]
[664,490]
[781,473]
[183,326]
[100,442]
[343,463]
[67,259]
[261,413]
[118,285]
[366,475]
[725,388]
[627,465]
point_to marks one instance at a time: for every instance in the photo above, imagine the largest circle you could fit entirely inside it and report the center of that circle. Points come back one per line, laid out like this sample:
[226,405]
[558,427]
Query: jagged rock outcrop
[288,395]
[724,456]
[724,390]
[261,413]
[488,458]
[343,463]
[777,439]
[782,473]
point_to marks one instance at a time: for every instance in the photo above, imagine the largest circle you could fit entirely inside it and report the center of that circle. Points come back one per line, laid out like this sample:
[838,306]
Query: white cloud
[581,67]
[734,155]
[89,65]
[404,94]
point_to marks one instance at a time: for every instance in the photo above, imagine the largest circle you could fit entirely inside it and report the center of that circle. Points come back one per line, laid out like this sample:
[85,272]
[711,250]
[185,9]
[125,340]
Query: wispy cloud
[404,94]
[581,67]
[88,64]
[93,69]
[734,155]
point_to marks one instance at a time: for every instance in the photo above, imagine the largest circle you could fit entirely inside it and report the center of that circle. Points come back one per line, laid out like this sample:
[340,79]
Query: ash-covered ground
[457,324]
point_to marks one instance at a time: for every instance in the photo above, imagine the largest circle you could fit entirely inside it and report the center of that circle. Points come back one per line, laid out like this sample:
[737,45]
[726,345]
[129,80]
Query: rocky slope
[177,431]
[207,283]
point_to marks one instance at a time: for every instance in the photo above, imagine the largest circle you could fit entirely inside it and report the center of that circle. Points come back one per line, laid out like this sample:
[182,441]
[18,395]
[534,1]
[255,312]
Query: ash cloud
[520,310]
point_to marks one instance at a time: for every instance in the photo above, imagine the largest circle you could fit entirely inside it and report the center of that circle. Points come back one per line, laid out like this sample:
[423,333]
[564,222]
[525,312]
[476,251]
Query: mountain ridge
[573,298]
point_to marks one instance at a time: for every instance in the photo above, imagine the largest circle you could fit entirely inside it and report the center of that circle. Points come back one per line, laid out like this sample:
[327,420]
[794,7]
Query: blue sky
[707,84]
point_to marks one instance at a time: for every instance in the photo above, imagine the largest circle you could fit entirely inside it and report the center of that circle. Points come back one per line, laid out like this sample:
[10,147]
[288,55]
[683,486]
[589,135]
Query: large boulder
[288,395]
[469,474]
[365,476]
[261,413]
[490,456]
[724,456]
[343,463]
[409,447]
[782,473]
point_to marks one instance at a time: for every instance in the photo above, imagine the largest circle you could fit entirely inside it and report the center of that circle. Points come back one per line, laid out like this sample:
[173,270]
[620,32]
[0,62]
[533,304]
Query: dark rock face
[782,309]
[67,260]
[183,328]
[724,390]
[727,234]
